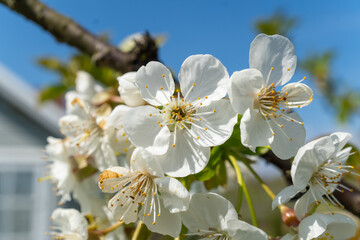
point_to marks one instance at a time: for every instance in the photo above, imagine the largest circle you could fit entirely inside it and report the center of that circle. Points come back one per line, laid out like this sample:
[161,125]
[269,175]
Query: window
[25,204]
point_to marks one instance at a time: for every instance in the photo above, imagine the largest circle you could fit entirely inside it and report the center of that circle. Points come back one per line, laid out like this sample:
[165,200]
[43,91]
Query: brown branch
[350,200]
[66,30]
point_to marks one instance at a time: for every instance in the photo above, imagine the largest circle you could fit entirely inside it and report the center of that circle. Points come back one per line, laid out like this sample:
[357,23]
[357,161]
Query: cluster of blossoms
[137,152]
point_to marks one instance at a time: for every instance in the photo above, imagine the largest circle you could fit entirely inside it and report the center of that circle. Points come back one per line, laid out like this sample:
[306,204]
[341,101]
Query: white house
[25,204]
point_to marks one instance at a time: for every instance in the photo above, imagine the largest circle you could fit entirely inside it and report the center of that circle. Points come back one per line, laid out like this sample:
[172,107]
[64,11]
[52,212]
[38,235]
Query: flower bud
[288,216]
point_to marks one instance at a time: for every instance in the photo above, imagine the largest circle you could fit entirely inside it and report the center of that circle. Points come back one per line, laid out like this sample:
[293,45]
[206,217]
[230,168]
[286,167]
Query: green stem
[258,178]
[245,191]
[140,232]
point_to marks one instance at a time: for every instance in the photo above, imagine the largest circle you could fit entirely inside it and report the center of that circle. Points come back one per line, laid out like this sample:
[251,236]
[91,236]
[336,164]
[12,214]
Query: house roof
[24,97]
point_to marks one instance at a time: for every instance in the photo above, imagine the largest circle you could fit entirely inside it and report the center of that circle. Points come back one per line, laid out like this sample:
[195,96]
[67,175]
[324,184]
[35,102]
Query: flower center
[178,113]
[327,180]
[136,189]
[269,101]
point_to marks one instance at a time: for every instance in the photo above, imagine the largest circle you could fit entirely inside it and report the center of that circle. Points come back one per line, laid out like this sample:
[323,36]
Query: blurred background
[36,70]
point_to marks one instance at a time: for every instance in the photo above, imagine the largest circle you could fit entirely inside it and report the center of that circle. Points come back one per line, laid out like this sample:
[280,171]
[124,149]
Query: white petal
[303,204]
[175,196]
[74,104]
[144,161]
[155,83]
[340,139]
[167,224]
[243,88]
[273,51]
[111,177]
[240,230]
[289,236]
[116,117]
[343,155]
[289,138]
[129,92]
[297,95]
[104,156]
[285,195]
[342,227]
[199,215]
[185,158]
[219,125]
[71,221]
[209,76]
[144,131]
[126,212]
[308,159]
[339,226]
[254,130]
[85,85]
[68,125]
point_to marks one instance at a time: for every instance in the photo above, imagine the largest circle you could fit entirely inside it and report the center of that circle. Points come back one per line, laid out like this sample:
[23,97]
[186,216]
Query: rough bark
[66,30]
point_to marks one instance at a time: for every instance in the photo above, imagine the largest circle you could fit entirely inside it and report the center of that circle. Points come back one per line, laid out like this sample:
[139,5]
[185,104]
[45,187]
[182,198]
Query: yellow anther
[116,140]
[281,125]
[291,139]
[163,75]
[146,86]
[199,119]
[150,114]
[206,97]
[125,149]
[299,106]
[214,110]
[288,69]
[194,84]
[302,123]
[273,134]
[206,128]
[159,215]
[161,88]
[173,145]
[124,134]
[198,98]
[304,78]
[153,223]
[197,137]
[177,90]
[272,68]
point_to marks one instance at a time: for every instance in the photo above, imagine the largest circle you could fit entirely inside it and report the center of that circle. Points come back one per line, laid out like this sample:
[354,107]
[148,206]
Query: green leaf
[209,170]
[52,92]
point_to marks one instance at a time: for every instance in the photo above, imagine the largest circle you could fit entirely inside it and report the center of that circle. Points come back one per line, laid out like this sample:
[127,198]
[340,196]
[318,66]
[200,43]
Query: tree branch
[66,30]
[350,200]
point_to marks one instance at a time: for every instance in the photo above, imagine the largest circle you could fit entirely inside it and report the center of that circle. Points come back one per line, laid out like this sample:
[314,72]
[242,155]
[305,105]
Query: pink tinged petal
[297,95]
[285,195]
[141,125]
[239,230]
[129,92]
[303,204]
[186,157]
[143,161]
[198,215]
[155,83]
[203,76]
[216,128]
[289,136]
[277,52]
[243,88]
[255,131]
[175,196]
[309,158]
[116,117]
[340,139]
[167,224]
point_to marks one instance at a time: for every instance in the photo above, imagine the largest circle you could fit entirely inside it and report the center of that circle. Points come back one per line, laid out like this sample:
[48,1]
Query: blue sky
[222,28]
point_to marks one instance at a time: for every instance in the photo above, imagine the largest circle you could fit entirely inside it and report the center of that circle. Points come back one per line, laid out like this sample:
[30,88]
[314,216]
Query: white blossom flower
[89,130]
[211,216]
[66,169]
[182,129]
[324,227]
[144,192]
[317,169]
[253,94]
[128,90]
[70,225]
